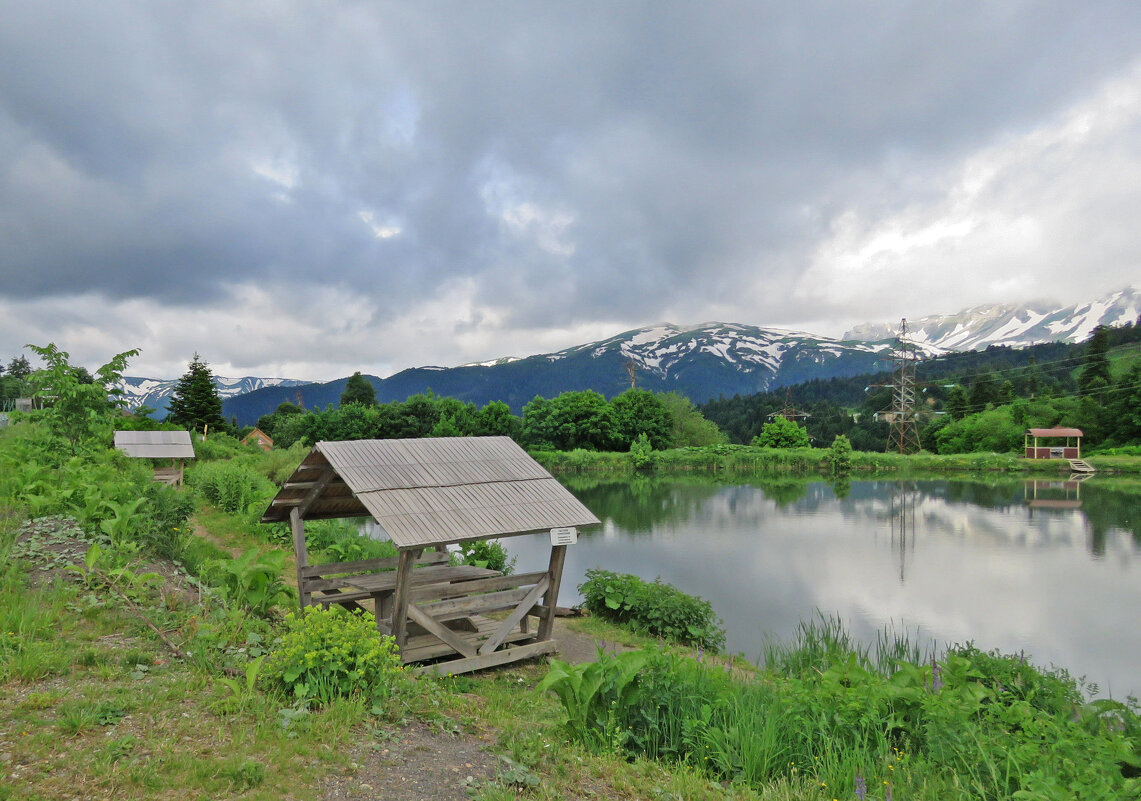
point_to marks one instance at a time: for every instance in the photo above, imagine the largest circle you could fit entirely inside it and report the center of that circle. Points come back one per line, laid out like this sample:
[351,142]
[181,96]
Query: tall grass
[824,642]
[863,721]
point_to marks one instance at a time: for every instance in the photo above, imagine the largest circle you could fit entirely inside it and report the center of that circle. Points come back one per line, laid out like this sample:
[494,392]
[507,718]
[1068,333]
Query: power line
[975,407]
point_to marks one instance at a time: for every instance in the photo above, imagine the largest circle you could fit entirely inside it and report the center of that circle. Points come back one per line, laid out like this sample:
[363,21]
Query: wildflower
[936,676]
[861,788]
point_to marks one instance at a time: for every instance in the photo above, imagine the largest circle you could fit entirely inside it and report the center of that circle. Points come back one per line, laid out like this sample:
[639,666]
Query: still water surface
[1047,567]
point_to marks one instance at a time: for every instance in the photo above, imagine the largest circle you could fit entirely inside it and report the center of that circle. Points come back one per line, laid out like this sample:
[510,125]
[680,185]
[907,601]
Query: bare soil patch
[421,763]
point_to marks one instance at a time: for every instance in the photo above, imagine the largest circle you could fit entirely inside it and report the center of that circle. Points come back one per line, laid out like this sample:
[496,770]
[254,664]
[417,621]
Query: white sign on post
[564,536]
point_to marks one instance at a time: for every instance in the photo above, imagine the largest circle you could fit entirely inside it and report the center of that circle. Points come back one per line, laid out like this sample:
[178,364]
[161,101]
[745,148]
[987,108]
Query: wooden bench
[332,583]
[168,475]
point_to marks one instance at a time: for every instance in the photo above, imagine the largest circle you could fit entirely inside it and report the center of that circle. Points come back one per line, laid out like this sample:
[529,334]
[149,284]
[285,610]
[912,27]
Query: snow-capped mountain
[701,362]
[155,392]
[665,350]
[1016,326]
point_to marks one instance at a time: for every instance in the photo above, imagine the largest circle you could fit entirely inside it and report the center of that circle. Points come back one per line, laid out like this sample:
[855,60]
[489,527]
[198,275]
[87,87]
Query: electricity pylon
[903,431]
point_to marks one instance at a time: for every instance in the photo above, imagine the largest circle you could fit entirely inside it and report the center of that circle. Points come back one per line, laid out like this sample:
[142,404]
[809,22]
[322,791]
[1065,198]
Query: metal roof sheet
[1055,432]
[432,491]
[155,444]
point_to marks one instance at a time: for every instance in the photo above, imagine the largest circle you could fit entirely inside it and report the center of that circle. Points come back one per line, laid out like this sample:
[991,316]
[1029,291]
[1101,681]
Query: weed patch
[654,608]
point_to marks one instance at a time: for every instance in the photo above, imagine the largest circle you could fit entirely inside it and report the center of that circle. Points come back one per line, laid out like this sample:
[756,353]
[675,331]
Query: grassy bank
[131,667]
[751,460]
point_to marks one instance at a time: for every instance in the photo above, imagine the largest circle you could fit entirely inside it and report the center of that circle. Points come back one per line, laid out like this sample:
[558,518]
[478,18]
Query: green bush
[165,532]
[641,452]
[487,553]
[333,653]
[782,433]
[218,446]
[253,580]
[340,540]
[231,486]
[655,608]
[839,456]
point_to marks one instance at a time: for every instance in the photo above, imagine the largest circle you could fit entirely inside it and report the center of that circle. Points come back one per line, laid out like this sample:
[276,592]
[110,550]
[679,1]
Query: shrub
[333,653]
[231,486]
[253,580]
[165,532]
[654,607]
[641,452]
[782,433]
[487,553]
[341,540]
[839,456]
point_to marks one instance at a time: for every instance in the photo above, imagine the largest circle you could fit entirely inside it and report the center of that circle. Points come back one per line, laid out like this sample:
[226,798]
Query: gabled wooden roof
[430,491]
[155,444]
[1054,432]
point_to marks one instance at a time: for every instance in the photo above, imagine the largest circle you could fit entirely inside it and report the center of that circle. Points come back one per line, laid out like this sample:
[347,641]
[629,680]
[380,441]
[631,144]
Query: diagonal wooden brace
[430,624]
[516,615]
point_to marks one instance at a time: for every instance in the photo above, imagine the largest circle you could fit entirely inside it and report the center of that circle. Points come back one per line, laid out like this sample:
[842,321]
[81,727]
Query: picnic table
[428,581]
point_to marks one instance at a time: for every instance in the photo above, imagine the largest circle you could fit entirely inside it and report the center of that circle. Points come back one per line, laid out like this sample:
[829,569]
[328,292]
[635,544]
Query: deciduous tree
[77,412]
[782,433]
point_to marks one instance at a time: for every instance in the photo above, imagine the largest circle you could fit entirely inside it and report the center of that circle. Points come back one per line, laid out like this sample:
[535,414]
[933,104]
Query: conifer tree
[195,402]
[1095,372]
[358,389]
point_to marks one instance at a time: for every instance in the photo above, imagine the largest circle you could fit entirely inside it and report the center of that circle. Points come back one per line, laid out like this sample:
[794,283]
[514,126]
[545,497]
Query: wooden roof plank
[435,491]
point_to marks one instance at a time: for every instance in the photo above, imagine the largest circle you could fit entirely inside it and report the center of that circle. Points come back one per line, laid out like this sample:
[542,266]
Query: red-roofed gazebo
[1072,449]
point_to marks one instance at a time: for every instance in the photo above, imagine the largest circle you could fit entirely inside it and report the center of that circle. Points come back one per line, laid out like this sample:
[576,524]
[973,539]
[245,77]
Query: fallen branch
[134,608]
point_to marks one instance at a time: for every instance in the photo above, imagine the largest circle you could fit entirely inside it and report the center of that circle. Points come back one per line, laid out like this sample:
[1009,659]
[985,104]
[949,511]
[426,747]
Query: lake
[1051,568]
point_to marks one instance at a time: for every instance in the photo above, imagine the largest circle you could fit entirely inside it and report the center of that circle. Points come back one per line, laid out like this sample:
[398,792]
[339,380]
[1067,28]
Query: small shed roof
[155,444]
[430,491]
[1055,432]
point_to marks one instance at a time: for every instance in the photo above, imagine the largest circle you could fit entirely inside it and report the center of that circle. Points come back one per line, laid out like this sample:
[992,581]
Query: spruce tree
[195,402]
[1095,372]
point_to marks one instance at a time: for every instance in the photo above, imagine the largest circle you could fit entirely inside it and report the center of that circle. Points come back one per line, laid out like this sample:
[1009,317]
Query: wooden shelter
[1071,448]
[173,445]
[259,438]
[431,493]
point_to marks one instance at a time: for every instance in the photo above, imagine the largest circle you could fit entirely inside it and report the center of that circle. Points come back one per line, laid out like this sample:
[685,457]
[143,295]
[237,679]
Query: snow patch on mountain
[155,393]
[1015,326]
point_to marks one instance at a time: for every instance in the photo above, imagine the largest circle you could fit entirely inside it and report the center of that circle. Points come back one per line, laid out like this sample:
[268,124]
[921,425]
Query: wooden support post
[301,554]
[400,600]
[551,599]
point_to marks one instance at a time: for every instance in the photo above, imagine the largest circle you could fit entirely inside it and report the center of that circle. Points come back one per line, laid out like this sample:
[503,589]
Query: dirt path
[422,764]
[203,532]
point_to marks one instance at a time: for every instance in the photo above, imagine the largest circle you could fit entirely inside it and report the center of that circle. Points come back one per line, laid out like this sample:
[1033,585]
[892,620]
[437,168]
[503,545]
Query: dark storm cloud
[577,160]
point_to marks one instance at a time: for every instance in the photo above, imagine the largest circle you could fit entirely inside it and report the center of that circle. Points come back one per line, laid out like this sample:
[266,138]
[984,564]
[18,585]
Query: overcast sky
[308,189]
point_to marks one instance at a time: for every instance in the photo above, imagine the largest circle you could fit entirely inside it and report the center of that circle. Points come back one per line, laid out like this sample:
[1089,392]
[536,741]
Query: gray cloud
[559,166]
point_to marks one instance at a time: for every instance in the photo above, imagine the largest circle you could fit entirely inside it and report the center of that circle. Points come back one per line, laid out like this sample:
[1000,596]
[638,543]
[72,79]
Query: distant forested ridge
[952,387]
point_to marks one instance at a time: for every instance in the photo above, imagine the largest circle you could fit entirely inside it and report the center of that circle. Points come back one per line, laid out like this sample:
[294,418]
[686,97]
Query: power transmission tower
[788,411]
[903,432]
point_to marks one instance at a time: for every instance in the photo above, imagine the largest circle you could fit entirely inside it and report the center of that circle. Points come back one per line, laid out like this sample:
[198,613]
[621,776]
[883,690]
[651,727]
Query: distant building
[1069,448]
[173,445]
[259,438]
